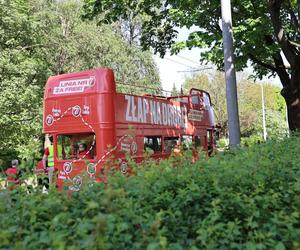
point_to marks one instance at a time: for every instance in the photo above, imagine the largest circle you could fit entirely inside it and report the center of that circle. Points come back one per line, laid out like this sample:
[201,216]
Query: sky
[176,68]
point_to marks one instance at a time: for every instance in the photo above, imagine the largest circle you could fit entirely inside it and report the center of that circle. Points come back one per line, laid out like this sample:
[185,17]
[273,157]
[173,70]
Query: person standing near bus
[177,149]
[12,180]
[83,152]
[48,158]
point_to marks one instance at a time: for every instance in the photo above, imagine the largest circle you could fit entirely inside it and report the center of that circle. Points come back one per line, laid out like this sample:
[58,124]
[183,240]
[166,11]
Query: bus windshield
[76,146]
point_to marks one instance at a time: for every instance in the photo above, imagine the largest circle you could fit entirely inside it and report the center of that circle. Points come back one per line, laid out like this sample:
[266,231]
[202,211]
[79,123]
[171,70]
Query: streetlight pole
[263,112]
[231,91]
[287,121]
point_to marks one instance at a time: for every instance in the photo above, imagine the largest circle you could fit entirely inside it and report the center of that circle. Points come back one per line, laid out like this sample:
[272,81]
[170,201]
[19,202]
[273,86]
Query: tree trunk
[290,81]
[293,109]
[291,94]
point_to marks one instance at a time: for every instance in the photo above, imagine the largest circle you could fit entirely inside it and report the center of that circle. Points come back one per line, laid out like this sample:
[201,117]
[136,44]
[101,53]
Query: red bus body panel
[87,102]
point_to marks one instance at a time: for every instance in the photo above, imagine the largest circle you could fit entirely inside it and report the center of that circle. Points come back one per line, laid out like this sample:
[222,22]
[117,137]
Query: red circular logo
[68,167]
[49,120]
[76,111]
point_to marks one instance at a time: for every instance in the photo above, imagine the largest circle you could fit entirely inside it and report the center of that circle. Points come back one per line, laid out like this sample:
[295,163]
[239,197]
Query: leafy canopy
[250,104]
[39,38]
[253,30]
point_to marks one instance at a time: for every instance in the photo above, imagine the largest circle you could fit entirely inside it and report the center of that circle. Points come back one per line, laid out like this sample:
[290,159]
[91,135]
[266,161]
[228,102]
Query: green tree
[250,104]
[40,38]
[71,44]
[265,32]
[22,76]
[175,91]
[250,109]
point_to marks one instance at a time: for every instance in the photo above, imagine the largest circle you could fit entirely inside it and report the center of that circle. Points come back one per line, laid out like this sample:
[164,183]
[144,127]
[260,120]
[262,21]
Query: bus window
[170,143]
[197,142]
[152,143]
[195,99]
[75,146]
[195,96]
[206,100]
[187,142]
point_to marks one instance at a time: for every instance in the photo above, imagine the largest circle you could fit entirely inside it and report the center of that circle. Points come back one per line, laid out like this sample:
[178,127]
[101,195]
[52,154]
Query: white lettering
[195,115]
[176,116]
[164,113]
[146,109]
[73,86]
[184,115]
[159,120]
[140,117]
[133,108]
[161,113]
[128,117]
[170,120]
[153,112]
[86,110]
[56,112]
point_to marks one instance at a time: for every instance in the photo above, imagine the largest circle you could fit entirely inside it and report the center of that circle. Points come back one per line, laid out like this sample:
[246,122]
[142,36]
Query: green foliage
[22,77]
[175,91]
[242,199]
[39,38]
[5,158]
[251,140]
[266,35]
[65,35]
[251,24]
[250,108]
[222,143]
[250,104]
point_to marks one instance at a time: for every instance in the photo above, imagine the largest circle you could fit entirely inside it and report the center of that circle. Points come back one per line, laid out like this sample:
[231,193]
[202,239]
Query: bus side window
[69,145]
[197,142]
[170,143]
[195,99]
[152,143]
[206,100]
[187,142]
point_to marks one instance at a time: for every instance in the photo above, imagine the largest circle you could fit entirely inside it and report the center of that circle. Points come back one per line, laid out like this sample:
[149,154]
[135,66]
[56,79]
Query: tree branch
[254,8]
[287,48]
[295,44]
[24,120]
[261,63]
[281,70]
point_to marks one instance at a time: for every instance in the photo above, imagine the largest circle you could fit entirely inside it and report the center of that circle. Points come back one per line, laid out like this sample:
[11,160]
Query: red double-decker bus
[92,124]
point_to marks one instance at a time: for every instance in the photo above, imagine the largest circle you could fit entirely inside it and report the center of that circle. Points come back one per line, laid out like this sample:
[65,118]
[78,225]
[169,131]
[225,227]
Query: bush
[222,143]
[244,199]
[251,140]
[5,159]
